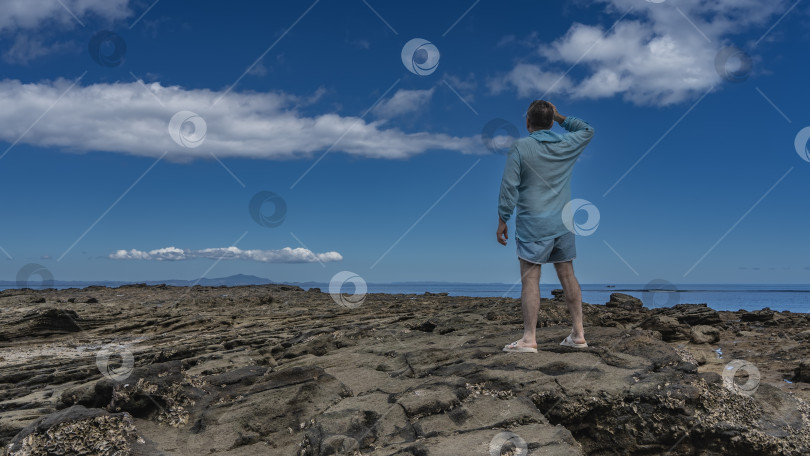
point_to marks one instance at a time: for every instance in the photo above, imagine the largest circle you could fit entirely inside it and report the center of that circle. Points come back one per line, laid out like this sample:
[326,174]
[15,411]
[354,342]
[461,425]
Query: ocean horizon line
[243,280]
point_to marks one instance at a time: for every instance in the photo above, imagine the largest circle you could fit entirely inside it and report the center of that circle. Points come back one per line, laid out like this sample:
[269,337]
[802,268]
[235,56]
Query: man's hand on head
[502,233]
[559,118]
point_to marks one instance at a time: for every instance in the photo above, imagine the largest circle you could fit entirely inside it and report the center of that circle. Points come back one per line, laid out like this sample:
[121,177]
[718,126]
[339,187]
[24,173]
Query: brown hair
[540,115]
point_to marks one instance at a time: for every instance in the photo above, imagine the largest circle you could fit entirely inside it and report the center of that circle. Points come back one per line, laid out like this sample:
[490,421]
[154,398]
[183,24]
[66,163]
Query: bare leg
[529,300]
[573,297]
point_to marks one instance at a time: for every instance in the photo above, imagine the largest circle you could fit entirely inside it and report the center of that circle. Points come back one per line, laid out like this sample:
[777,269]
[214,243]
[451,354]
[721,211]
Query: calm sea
[795,298]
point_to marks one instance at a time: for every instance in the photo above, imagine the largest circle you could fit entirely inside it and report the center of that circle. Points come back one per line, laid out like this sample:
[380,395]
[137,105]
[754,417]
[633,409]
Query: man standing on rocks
[537,179]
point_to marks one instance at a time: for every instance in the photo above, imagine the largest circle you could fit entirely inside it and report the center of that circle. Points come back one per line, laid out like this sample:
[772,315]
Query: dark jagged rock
[443,293]
[765,314]
[624,301]
[691,314]
[41,323]
[669,327]
[426,326]
[802,371]
[704,334]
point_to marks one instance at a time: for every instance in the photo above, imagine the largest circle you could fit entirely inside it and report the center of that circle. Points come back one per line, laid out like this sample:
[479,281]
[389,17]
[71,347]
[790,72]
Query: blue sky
[382,171]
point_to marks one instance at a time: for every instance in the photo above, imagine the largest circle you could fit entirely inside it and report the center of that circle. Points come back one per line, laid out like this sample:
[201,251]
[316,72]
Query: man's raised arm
[579,131]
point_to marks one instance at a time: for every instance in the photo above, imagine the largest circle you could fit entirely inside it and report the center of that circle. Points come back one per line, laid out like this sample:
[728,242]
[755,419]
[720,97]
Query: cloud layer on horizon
[285,255]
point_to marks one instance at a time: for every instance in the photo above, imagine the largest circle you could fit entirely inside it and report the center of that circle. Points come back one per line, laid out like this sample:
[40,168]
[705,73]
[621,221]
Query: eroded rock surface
[279,370]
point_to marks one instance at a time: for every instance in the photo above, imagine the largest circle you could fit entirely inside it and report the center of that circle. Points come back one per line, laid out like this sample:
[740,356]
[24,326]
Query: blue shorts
[556,250]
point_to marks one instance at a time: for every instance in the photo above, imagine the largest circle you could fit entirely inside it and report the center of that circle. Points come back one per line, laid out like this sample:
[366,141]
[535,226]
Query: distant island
[230,281]
[236,280]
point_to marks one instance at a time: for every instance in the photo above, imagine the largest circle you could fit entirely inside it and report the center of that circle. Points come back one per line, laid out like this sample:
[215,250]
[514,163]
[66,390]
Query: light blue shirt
[537,179]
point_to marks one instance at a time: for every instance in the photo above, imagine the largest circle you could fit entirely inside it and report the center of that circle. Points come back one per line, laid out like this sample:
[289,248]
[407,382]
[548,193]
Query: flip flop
[568,342]
[515,348]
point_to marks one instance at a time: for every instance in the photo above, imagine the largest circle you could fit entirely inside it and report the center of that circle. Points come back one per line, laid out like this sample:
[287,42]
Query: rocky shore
[279,370]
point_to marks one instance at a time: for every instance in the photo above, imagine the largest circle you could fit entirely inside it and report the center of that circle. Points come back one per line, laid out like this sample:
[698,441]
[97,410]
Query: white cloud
[32,24]
[466,87]
[26,48]
[531,80]
[32,14]
[404,102]
[133,119]
[258,69]
[654,55]
[285,255]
